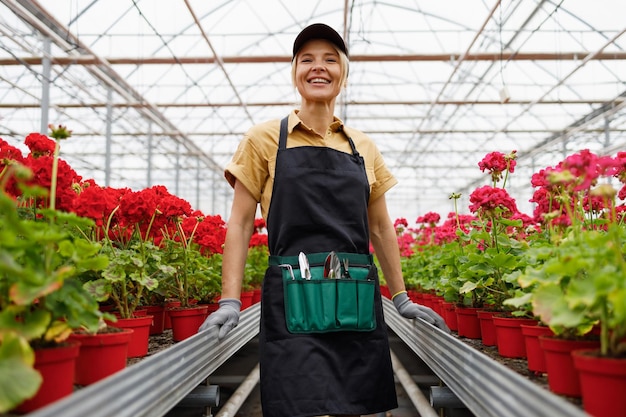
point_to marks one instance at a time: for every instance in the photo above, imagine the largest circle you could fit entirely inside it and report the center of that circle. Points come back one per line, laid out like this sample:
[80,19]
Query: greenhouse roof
[161,92]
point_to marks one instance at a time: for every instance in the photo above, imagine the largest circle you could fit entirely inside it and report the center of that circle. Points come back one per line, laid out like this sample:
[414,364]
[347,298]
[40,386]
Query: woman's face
[318,71]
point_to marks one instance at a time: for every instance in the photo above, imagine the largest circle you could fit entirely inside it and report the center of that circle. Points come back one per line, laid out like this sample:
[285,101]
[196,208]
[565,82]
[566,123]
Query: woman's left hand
[411,310]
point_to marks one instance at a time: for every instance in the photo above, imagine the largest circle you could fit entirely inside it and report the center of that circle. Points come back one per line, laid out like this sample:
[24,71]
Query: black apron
[319,204]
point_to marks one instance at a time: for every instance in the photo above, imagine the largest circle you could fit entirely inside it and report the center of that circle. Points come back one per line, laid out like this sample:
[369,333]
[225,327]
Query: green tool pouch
[319,304]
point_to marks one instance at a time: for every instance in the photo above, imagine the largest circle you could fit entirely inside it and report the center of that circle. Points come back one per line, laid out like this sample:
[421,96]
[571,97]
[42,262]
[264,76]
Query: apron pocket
[321,305]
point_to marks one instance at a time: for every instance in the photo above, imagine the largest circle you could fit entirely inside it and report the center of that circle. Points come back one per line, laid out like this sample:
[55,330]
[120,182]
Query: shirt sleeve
[384,178]
[249,167]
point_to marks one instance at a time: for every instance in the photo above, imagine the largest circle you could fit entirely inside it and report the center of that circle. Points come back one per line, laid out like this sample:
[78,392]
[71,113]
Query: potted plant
[494,248]
[41,299]
[195,272]
[578,284]
[256,262]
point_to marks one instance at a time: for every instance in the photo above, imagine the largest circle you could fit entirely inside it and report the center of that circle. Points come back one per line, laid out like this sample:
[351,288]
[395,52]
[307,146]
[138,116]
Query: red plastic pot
[158,318]
[138,345]
[487,328]
[186,321]
[246,299]
[534,352]
[449,315]
[562,376]
[101,355]
[602,383]
[468,323]
[210,308]
[56,366]
[384,291]
[509,336]
[167,322]
[256,296]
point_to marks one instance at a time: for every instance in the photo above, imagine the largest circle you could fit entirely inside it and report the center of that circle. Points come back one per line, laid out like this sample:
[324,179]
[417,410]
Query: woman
[321,189]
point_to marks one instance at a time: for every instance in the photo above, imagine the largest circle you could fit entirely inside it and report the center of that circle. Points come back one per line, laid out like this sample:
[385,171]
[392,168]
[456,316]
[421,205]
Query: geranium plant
[41,256]
[256,261]
[197,267]
[579,280]
[495,244]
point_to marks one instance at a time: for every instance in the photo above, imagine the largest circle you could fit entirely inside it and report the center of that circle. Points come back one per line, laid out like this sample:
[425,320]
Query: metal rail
[156,384]
[486,387]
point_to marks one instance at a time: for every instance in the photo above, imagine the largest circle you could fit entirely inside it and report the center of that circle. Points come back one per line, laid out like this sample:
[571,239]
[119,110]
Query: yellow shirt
[254,161]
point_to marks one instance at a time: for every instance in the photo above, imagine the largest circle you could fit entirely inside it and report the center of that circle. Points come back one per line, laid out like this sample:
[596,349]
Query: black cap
[319,31]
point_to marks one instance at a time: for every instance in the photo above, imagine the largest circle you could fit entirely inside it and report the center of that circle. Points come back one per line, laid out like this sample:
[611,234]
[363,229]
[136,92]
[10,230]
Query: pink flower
[486,199]
[497,163]
[430,218]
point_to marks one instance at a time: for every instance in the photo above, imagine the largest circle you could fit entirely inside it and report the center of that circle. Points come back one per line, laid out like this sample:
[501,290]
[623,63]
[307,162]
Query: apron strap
[282,140]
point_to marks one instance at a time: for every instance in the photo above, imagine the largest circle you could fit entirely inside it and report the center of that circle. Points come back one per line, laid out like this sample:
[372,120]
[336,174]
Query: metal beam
[290,104]
[274,59]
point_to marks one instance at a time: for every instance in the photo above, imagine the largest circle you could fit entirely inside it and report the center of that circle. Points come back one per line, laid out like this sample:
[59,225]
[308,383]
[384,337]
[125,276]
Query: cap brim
[319,31]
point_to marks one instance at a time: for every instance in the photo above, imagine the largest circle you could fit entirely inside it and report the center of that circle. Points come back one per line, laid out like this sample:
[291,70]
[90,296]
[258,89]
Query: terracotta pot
[487,328]
[562,376]
[602,383]
[468,323]
[158,318]
[101,355]
[534,352]
[509,336]
[449,315]
[56,366]
[138,345]
[186,321]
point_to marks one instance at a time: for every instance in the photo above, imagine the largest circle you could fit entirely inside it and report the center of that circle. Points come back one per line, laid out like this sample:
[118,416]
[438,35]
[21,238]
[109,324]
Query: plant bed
[157,343]
[518,365]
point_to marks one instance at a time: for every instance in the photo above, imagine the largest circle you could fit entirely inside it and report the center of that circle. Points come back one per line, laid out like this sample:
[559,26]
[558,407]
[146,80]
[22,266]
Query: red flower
[405,242]
[98,203]
[430,218]
[400,225]
[258,239]
[211,234]
[259,224]
[40,145]
[66,178]
[9,153]
[497,163]
[486,199]
[138,207]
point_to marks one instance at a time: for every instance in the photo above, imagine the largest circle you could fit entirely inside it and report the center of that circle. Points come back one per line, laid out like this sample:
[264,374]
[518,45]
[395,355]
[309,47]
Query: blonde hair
[343,61]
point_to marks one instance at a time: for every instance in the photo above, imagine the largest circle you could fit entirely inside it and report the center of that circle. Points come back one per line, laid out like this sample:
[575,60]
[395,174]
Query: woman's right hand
[226,317]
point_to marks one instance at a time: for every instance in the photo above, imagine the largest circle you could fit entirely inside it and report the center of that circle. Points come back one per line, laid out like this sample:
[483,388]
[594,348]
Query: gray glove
[226,316]
[411,310]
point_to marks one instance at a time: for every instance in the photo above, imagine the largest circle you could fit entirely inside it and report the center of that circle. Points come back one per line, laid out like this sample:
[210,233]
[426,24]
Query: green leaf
[18,382]
[581,293]
[519,300]
[469,286]
[100,289]
[551,307]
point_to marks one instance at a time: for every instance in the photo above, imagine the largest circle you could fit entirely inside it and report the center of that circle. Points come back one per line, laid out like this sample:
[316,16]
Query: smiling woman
[321,187]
